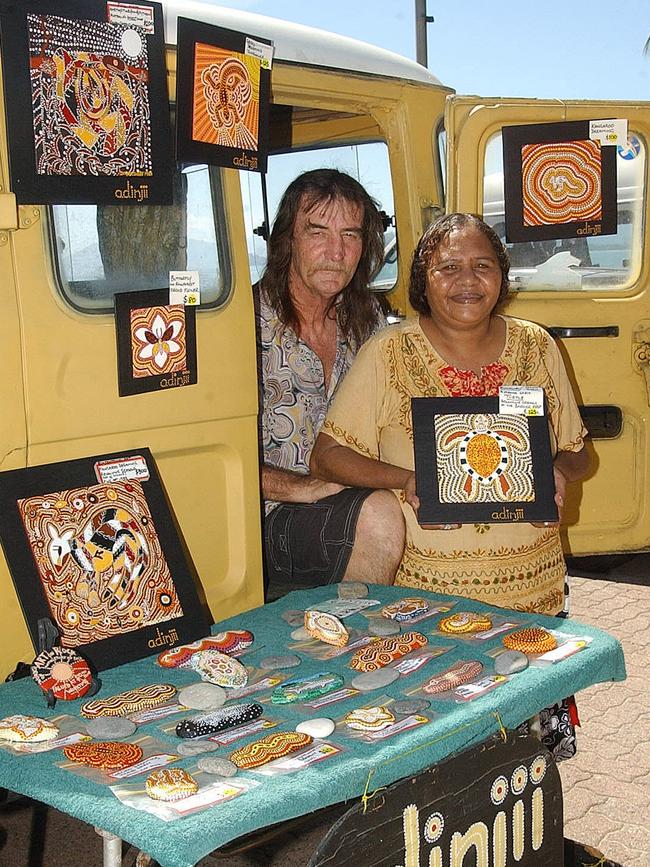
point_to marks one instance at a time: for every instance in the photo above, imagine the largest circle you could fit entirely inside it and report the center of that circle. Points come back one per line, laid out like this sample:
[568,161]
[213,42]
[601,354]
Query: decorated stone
[465,623]
[369,680]
[170,784]
[306,688]
[205,724]
[405,609]
[532,639]
[106,755]
[326,627]
[293,617]
[269,748]
[319,727]
[352,590]
[108,728]
[21,728]
[216,667]
[454,676]
[62,671]
[194,748]
[202,696]
[369,719]
[383,651]
[300,634]
[131,701]
[510,662]
[384,628]
[288,660]
[217,766]
[232,643]
[407,706]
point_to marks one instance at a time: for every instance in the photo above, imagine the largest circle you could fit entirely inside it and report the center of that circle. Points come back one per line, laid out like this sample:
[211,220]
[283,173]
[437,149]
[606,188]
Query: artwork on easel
[558,182]
[91,545]
[474,464]
[87,105]
[222,97]
[156,342]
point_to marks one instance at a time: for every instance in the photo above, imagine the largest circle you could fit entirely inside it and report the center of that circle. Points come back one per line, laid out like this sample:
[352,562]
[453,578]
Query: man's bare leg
[378,541]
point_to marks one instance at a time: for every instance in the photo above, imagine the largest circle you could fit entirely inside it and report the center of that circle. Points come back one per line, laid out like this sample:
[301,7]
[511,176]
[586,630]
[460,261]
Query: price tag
[262,50]
[131,14]
[184,288]
[608,132]
[521,400]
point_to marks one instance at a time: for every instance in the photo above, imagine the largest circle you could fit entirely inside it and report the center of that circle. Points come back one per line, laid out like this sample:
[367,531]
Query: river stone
[301,633]
[288,660]
[194,748]
[107,728]
[294,617]
[375,679]
[218,766]
[510,662]
[352,590]
[408,706]
[319,727]
[383,627]
[202,696]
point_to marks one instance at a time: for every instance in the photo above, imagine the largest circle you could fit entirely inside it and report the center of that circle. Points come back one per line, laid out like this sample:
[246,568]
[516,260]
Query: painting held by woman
[459,345]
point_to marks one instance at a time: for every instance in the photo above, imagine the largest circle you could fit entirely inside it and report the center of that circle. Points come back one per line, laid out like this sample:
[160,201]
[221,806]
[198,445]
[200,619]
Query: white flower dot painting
[158,340]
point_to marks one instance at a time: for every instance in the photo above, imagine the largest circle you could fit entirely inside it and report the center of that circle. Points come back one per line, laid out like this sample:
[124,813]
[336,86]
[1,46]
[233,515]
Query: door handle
[641,351]
[590,331]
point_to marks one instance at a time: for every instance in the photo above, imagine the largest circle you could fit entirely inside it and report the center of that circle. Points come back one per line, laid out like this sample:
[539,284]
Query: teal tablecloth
[361,766]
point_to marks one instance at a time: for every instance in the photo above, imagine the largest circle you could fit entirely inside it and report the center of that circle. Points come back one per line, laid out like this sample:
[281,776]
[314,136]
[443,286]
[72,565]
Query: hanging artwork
[474,464]
[87,106]
[91,545]
[222,97]
[559,182]
[156,342]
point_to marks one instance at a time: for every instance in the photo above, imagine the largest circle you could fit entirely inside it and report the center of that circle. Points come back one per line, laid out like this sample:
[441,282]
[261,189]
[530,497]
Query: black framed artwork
[91,545]
[474,464]
[86,102]
[222,96]
[156,342]
[558,182]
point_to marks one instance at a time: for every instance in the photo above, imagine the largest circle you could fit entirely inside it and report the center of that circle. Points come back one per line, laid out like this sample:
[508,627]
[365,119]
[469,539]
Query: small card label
[261,50]
[145,716]
[521,400]
[228,737]
[608,132]
[258,686]
[208,797]
[403,725]
[157,761]
[409,664]
[562,651]
[55,743]
[131,15]
[184,288]
[496,630]
[339,651]
[122,470]
[332,697]
[473,690]
[343,608]
[315,753]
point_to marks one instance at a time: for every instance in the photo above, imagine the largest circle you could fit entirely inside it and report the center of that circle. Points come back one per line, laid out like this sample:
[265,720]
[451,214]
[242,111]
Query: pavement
[606,785]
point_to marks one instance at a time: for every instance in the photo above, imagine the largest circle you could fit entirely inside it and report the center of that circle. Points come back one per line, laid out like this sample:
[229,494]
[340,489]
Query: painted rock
[510,662]
[384,628]
[289,660]
[369,680]
[269,748]
[452,677]
[405,609]
[319,727]
[194,748]
[300,634]
[107,728]
[533,639]
[170,784]
[306,688]
[216,667]
[383,651]
[465,623]
[407,706]
[326,627]
[370,719]
[20,728]
[293,617]
[232,643]
[202,696]
[106,755]
[205,724]
[352,590]
[131,701]
[63,671]
[217,766]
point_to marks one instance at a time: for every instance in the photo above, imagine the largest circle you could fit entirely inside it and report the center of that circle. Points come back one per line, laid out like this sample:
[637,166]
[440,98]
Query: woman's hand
[413,500]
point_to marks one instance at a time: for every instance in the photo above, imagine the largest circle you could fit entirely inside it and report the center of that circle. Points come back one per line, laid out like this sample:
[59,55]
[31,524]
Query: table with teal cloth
[361,767]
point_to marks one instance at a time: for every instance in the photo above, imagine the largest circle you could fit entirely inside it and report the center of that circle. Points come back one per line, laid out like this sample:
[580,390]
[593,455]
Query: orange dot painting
[561,182]
[158,340]
[226,97]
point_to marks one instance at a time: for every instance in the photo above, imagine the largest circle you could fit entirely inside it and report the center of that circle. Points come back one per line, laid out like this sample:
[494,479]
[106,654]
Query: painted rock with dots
[205,724]
[216,667]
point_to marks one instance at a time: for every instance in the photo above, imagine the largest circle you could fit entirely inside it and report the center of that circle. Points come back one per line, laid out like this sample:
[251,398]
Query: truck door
[591,293]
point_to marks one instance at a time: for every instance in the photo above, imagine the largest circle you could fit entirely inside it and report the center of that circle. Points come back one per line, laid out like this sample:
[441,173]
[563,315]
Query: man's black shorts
[309,544]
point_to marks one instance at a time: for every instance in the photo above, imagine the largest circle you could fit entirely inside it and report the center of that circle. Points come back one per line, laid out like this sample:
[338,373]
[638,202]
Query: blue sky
[569,49]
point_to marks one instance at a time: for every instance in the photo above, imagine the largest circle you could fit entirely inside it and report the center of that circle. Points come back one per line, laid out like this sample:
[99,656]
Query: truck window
[97,251]
[591,263]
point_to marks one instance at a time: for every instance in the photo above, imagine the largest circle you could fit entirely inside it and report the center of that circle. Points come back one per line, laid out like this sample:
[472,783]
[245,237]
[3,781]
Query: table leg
[112,848]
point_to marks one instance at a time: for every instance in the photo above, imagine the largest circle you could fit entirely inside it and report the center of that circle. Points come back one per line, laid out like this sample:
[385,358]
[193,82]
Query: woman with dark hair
[459,345]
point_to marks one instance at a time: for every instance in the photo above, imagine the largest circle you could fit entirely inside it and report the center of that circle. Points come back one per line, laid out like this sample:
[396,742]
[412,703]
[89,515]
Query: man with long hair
[314,310]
